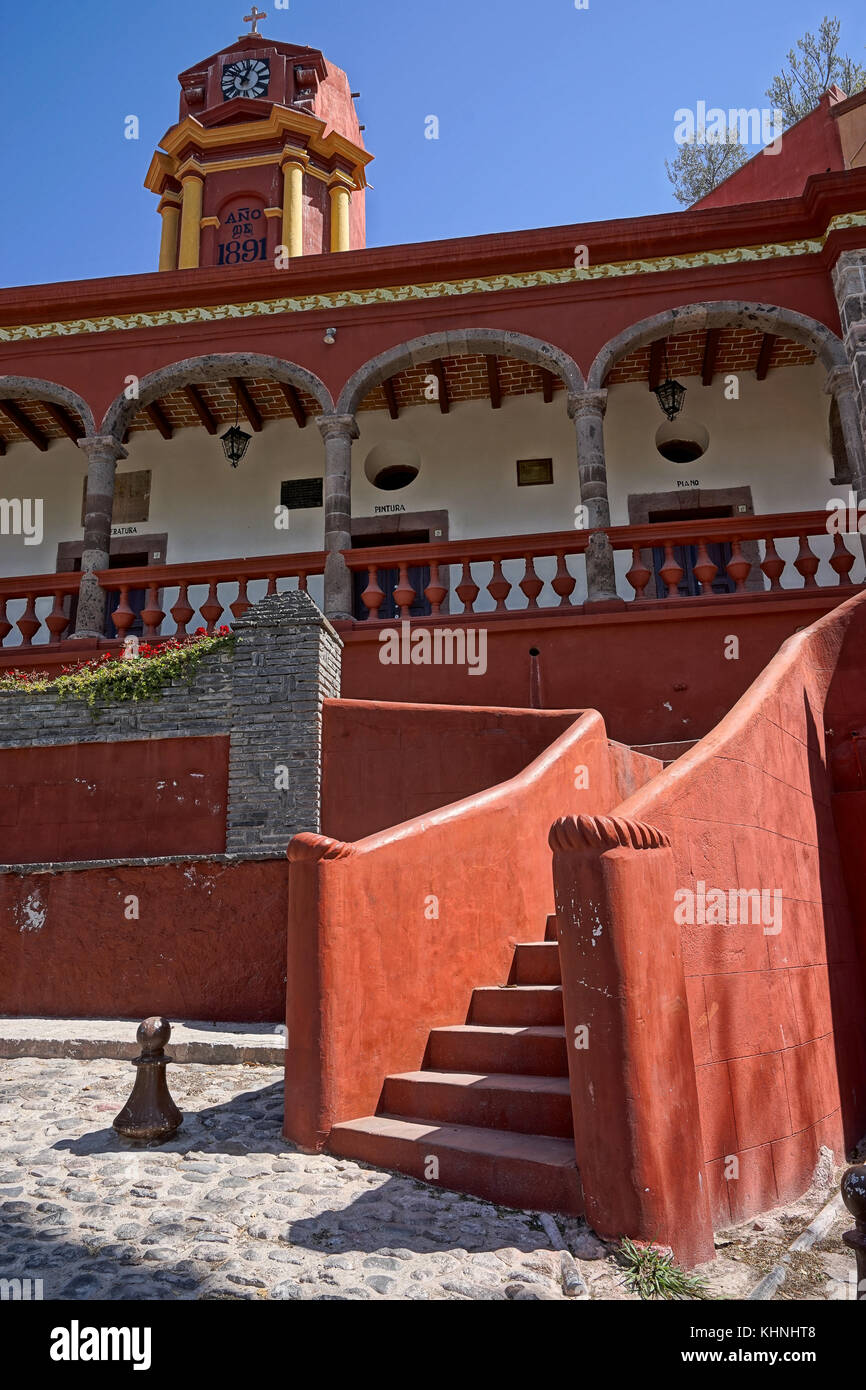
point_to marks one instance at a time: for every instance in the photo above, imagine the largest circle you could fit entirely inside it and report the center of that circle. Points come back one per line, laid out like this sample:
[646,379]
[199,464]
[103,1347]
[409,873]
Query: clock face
[249,77]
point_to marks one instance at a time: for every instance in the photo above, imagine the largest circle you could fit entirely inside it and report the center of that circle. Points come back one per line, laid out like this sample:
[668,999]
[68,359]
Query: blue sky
[548,114]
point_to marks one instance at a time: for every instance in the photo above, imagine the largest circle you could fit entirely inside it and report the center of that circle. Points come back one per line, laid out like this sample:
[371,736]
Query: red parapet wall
[776,1008]
[208,942]
[388,936]
[143,799]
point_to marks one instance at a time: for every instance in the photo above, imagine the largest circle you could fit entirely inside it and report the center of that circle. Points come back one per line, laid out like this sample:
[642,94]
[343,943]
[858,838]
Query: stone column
[587,411]
[293,207]
[340,201]
[169,209]
[338,432]
[840,385]
[190,221]
[102,452]
[849,283]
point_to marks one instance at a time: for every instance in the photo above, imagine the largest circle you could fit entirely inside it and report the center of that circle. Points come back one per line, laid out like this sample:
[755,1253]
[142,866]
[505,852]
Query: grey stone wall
[266,697]
[849,283]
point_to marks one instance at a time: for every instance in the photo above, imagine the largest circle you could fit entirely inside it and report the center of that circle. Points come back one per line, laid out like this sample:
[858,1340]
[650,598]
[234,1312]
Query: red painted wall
[811,146]
[208,943]
[373,970]
[387,763]
[657,675]
[134,800]
[777,1020]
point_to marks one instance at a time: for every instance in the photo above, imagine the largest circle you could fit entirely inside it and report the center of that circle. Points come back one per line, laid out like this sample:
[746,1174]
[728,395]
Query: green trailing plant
[652,1273]
[117,678]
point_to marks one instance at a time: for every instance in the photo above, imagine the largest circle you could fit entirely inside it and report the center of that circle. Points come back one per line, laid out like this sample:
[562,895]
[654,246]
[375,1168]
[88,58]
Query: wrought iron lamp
[235,441]
[670,394]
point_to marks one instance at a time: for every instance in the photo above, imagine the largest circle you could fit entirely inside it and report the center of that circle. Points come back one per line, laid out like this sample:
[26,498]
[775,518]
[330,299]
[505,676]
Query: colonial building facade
[469,434]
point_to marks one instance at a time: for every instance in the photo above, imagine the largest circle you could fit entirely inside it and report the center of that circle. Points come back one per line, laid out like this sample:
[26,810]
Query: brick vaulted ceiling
[212,406]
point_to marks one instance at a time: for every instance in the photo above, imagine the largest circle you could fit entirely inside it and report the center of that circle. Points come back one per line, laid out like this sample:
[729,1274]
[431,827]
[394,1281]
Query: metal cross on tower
[253,19]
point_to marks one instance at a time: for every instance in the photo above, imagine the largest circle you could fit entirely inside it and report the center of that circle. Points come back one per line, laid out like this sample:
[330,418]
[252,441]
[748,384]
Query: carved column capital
[102,446]
[840,382]
[587,403]
[338,427]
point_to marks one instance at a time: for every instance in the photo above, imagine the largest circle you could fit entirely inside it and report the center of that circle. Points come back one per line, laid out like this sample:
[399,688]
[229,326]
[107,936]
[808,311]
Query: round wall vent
[682,441]
[393,465]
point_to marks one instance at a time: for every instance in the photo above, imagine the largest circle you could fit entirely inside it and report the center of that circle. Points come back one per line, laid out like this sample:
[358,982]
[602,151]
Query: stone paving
[227,1209]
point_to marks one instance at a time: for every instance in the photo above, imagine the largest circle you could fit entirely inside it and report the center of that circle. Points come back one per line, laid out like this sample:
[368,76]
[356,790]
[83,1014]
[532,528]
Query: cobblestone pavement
[229,1210]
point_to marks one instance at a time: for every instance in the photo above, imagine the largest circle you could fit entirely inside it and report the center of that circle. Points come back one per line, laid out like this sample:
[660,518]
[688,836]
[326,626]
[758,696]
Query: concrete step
[191,1041]
[550,928]
[523,1051]
[527,1171]
[536,963]
[513,1005]
[522,1104]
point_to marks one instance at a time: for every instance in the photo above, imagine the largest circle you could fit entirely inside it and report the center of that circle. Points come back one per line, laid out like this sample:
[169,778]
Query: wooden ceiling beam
[295,404]
[438,368]
[70,426]
[711,355]
[158,418]
[247,404]
[493,382]
[391,398]
[765,356]
[15,415]
[547,385]
[657,363]
[201,408]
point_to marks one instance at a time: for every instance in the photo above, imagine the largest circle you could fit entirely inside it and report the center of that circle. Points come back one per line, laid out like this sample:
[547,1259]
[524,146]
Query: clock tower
[266,160]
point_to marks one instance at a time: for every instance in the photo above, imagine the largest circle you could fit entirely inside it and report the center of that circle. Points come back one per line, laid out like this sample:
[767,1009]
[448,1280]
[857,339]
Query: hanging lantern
[670,394]
[235,441]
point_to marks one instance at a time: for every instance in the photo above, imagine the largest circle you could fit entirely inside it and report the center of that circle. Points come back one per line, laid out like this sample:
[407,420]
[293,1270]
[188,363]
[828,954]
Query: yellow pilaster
[293,207]
[169,210]
[339,217]
[190,221]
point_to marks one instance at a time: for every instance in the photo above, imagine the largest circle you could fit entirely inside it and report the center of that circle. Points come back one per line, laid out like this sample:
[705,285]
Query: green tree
[703,163]
[818,64]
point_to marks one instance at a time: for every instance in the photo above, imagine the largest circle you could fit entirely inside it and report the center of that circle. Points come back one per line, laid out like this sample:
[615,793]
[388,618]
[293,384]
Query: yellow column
[293,208]
[169,209]
[339,217]
[190,221]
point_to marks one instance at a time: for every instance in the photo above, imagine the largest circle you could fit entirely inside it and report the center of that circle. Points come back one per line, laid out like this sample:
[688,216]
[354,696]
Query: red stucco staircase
[492,1102]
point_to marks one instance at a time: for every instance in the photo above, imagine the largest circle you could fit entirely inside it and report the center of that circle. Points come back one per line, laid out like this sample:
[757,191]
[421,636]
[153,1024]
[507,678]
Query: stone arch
[461,343]
[214,367]
[31,388]
[696,318]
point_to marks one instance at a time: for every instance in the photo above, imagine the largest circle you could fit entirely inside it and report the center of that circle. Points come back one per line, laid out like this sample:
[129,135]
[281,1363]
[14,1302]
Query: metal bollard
[150,1114]
[854,1197]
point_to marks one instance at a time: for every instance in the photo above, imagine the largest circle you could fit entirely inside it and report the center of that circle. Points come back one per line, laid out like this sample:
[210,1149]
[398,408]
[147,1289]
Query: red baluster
[404,594]
[738,567]
[530,583]
[123,616]
[467,590]
[499,587]
[182,610]
[842,560]
[212,610]
[772,564]
[705,570]
[57,620]
[28,624]
[638,576]
[272,585]
[435,591]
[241,603]
[671,572]
[563,581]
[806,563]
[373,596]
[5,625]
[302,583]
[152,615]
